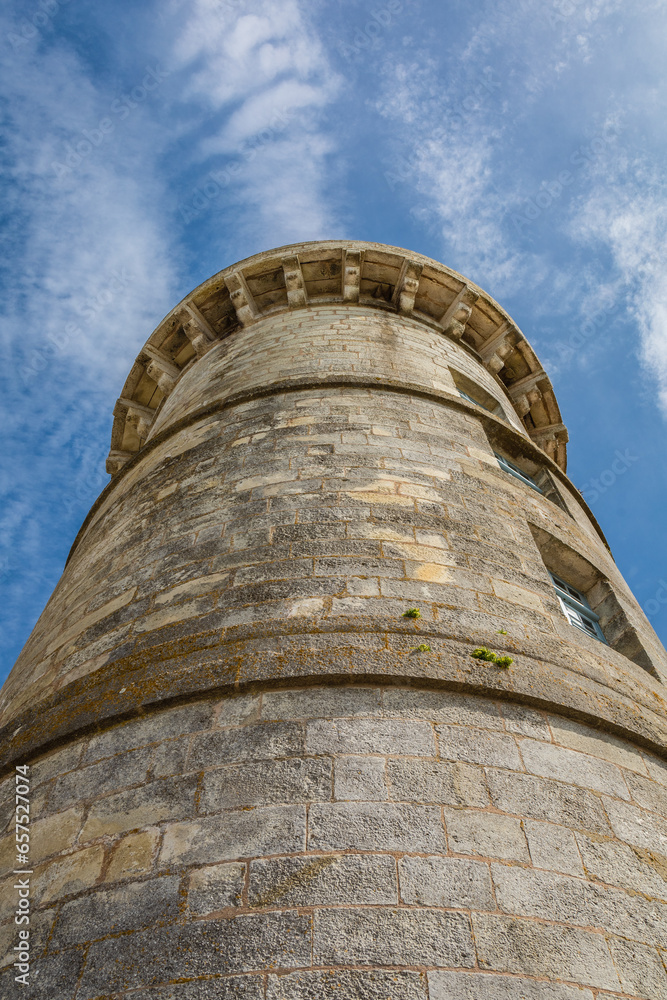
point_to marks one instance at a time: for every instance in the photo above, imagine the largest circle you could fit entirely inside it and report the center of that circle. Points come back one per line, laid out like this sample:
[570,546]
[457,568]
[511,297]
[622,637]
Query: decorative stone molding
[306,275]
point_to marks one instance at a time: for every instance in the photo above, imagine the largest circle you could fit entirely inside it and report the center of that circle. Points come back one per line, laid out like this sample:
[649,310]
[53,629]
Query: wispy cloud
[262,74]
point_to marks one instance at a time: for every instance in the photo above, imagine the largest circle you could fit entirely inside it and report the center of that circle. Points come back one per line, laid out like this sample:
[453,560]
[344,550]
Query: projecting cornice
[306,275]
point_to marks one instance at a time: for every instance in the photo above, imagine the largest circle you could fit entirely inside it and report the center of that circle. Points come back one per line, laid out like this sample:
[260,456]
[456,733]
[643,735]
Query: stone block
[599,744]
[203,948]
[268,782]
[164,799]
[487,834]
[72,873]
[150,729]
[370,984]
[231,835]
[640,969]
[636,826]
[54,833]
[647,793]
[237,710]
[169,758]
[483,986]
[478,747]
[219,988]
[553,847]
[549,896]
[542,798]
[379,826]
[528,948]
[449,783]
[253,742]
[525,721]
[360,779]
[327,702]
[133,855]
[633,868]
[371,736]
[449,882]
[50,976]
[215,888]
[321,881]
[392,937]
[109,911]
[109,775]
[574,767]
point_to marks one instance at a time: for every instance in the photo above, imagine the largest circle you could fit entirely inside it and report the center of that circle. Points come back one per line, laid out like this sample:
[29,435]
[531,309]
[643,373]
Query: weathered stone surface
[108,911]
[553,847]
[534,949]
[361,736]
[477,747]
[354,985]
[392,937]
[204,948]
[446,782]
[166,799]
[451,882]
[482,986]
[68,874]
[576,768]
[486,833]
[374,826]
[542,798]
[640,969]
[219,988]
[360,778]
[323,880]
[230,835]
[215,888]
[266,783]
[258,742]
[316,703]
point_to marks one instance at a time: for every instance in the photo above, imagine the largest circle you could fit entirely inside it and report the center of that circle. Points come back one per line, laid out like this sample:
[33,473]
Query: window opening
[515,471]
[576,608]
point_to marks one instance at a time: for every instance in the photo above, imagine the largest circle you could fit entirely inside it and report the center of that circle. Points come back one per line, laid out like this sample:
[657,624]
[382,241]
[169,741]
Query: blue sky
[147,146]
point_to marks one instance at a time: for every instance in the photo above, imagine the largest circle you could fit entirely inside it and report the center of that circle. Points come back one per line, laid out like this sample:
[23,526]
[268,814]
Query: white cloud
[626,216]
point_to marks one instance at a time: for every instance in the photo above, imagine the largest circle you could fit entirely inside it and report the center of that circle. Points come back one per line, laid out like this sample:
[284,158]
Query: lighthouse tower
[341,694]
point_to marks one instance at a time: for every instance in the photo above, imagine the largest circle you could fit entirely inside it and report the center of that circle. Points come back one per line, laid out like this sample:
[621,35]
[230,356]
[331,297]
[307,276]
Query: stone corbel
[197,329]
[161,369]
[351,275]
[116,461]
[294,283]
[494,351]
[550,439]
[242,299]
[138,416]
[407,286]
[455,317]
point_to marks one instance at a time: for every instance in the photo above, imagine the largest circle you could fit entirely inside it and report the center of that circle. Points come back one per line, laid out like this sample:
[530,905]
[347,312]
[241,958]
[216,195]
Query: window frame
[576,608]
[513,470]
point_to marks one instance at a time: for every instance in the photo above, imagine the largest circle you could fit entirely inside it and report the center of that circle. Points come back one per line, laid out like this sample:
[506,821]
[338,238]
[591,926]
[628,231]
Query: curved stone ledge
[204,663]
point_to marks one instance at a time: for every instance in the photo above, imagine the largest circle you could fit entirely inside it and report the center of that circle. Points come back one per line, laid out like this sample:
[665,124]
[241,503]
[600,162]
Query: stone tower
[265,762]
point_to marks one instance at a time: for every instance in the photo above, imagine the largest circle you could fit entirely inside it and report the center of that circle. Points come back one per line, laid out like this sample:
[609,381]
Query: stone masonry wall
[287,534]
[343,842]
